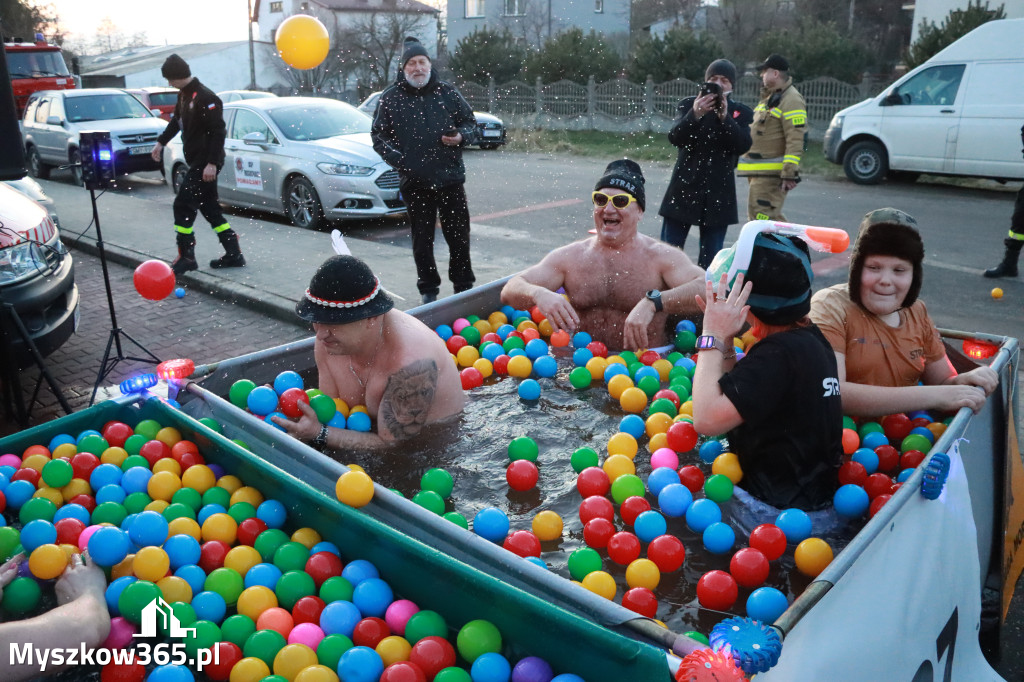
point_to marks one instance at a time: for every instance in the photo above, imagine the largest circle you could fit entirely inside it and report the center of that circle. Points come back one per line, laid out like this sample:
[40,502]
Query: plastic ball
[547,526]
[719,538]
[398,614]
[717,590]
[643,573]
[592,481]
[660,478]
[796,525]
[354,488]
[766,604]
[667,552]
[432,654]
[851,501]
[618,466]
[718,488]
[523,543]
[523,447]
[262,400]
[812,556]
[154,280]
[623,548]
[47,562]
[491,667]
[701,514]
[997,293]
[171,673]
[633,400]
[626,486]
[682,437]
[529,390]
[532,669]
[108,546]
[867,458]
[675,500]
[649,525]
[664,457]
[491,523]
[302,41]
[580,378]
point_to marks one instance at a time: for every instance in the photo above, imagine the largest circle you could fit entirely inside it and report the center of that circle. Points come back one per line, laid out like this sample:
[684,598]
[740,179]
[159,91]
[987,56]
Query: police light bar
[138,383]
[175,370]
[980,350]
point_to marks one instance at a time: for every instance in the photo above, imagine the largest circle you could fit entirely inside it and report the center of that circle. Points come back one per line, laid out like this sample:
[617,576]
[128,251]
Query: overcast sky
[165,22]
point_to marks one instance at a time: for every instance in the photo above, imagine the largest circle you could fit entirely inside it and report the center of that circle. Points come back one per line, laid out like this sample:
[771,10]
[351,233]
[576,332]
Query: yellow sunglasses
[619,201]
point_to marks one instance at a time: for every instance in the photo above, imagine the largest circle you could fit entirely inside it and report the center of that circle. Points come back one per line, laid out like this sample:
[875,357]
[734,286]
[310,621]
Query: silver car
[307,158]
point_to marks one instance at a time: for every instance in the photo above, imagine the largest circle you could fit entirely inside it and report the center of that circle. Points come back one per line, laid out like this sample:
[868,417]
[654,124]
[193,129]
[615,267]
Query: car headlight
[837,121]
[20,261]
[344,169]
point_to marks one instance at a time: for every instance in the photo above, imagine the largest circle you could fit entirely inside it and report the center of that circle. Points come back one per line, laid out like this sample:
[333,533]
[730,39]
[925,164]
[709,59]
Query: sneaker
[182,265]
[229,261]
[428,298]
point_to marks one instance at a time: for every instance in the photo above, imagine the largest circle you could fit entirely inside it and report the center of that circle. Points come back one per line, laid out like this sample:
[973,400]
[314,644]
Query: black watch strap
[654,296]
[320,442]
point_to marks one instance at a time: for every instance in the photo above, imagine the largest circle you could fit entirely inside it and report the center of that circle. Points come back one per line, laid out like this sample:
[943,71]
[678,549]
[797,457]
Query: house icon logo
[158,612]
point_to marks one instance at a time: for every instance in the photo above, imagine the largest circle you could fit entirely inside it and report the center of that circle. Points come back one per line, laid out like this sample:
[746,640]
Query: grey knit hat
[175,68]
[721,67]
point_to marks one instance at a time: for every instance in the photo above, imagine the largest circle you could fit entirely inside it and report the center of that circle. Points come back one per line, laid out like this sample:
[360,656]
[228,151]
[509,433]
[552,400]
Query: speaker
[12,150]
[97,159]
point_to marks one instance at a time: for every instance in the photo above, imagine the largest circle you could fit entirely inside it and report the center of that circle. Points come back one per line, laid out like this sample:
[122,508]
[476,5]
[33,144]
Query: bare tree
[739,22]
[371,45]
[110,37]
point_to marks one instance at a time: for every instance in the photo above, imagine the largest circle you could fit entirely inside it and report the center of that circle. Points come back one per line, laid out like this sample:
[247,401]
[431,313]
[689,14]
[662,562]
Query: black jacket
[199,115]
[703,188]
[407,130]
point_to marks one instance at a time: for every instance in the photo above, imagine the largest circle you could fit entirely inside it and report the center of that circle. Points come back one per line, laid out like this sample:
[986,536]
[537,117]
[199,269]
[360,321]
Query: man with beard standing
[419,129]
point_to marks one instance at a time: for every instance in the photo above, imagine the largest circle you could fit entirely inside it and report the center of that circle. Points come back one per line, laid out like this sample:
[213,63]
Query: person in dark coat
[711,131]
[419,129]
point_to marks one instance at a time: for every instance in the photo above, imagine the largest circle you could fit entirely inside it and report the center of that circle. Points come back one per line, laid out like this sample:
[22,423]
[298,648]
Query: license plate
[137,151]
[492,133]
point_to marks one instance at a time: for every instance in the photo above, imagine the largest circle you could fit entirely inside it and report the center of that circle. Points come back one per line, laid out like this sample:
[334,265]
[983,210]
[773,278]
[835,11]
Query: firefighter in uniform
[1014,241]
[199,116]
[772,165]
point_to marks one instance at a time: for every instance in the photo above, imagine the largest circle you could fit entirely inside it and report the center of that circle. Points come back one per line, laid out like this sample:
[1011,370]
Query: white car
[490,130]
[307,158]
[238,95]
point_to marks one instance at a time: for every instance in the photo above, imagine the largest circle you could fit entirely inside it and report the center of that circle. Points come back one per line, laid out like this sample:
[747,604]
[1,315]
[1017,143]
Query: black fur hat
[888,232]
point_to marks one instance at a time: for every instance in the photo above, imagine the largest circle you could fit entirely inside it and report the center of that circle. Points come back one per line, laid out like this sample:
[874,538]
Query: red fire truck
[34,67]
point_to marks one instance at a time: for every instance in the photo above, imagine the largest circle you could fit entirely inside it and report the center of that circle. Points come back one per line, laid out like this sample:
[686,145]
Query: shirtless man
[621,284]
[369,354]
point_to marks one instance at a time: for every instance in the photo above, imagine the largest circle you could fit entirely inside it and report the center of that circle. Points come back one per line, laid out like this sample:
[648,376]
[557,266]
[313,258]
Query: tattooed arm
[407,400]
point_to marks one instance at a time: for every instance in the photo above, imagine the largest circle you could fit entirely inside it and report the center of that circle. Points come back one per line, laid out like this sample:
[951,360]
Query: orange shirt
[877,354]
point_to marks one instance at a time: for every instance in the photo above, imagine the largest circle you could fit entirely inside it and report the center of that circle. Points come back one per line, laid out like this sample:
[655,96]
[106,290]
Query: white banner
[909,608]
[247,173]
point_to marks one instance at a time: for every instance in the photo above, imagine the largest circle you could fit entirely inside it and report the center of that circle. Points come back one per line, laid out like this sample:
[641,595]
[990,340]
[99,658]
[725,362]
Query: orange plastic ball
[497,318]
[560,338]
[851,441]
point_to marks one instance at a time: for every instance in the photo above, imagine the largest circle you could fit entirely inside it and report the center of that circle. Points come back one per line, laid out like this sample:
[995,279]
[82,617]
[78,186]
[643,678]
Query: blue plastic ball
[372,596]
[208,510]
[358,570]
[545,366]
[286,380]
[182,550]
[108,546]
[114,590]
[536,348]
[325,546]
[110,493]
[492,524]
[581,340]
[710,451]
[4,481]
[686,363]
[171,673]
[719,538]
[491,667]
[645,371]
[851,501]
[36,533]
[269,419]
[136,480]
[504,330]
[701,514]
[674,500]
[60,439]
[508,311]
[649,525]
[633,424]
[358,421]
[266,575]
[444,331]
[340,617]
[491,352]
[516,352]
[868,458]
[193,575]
[360,664]
[686,325]
[179,292]
[272,513]
[922,431]
[904,475]
[661,478]
[149,529]
[104,475]
[209,606]
[529,390]
[261,401]
[766,604]
[337,421]
[581,356]
[538,561]
[18,493]
[795,523]
[874,439]
[567,677]
[614,369]
[73,511]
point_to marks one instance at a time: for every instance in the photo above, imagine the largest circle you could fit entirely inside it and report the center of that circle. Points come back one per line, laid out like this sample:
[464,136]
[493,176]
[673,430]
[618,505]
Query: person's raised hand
[725,311]
[306,428]
[82,577]
[558,310]
[703,104]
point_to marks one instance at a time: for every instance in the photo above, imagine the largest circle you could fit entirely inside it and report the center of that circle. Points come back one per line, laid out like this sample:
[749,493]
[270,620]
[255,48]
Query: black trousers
[425,204]
[1017,220]
[197,196]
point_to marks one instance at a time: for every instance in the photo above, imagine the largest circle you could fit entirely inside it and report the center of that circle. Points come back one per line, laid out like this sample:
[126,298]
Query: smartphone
[710,88]
[451,132]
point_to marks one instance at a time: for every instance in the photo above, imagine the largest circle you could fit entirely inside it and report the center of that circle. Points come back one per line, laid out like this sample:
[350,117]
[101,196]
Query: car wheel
[178,177]
[76,167]
[302,203]
[36,166]
[866,163]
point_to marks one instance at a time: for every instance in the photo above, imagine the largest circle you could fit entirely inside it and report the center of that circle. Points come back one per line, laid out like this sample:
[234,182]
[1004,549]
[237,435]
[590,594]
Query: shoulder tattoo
[408,397]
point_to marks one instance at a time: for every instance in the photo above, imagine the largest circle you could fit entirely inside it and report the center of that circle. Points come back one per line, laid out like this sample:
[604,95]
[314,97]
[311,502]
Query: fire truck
[34,67]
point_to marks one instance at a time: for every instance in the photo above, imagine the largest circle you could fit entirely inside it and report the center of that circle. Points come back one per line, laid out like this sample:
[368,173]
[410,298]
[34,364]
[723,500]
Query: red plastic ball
[490,336]
[517,334]
[749,567]
[116,433]
[681,436]
[877,504]
[181,447]
[308,610]
[668,394]
[878,484]
[154,451]
[114,672]
[641,600]
[68,530]
[190,459]
[667,552]
[597,532]
[598,349]
[226,655]
[717,590]
[596,507]
[249,530]
[522,542]
[896,427]
[919,422]
[692,477]
[530,334]
[369,631]
[471,378]
[593,481]
[432,654]
[403,671]
[211,555]
[624,548]
[87,501]
[154,280]
[289,402]
[633,507]
[501,364]
[536,315]
[27,474]
[522,475]
[888,457]
[456,342]
[83,463]
[852,473]
[323,565]
[3,502]
[649,357]
[770,539]
[911,459]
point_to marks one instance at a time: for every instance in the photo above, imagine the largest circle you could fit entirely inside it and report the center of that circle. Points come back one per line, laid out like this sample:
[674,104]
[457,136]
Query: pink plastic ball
[120,637]
[665,457]
[83,539]
[459,324]
[306,633]
[10,460]
[398,614]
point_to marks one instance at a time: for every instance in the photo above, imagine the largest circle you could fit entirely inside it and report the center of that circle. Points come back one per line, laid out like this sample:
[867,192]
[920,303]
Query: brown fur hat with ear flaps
[888,232]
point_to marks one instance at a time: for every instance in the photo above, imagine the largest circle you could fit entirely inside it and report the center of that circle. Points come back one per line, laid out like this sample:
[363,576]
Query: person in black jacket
[199,116]
[711,131]
[1015,239]
[419,129]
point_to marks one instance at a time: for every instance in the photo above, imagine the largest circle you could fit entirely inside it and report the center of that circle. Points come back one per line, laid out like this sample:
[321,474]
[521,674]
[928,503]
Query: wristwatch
[320,442]
[708,342]
[654,296]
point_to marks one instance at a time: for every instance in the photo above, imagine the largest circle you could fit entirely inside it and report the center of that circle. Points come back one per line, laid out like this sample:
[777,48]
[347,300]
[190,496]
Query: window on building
[599,6]
[276,7]
[515,8]
[474,8]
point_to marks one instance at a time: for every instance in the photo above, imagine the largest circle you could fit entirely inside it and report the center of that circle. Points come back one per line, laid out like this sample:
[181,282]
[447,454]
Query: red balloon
[641,600]
[501,364]
[878,484]
[289,402]
[211,555]
[681,436]
[692,477]
[911,459]
[596,507]
[888,457]
[633,507]
[126,672]
[87,501]
[896,427]
[770,539]
[369,631]
[116,433]
[717,590]
[83,463]
[154,451]
[667,552]
[471,378]
[593,481]
[522,542]
[226,654]
[597,532]
[853,472]
[668,394]
[877,504]
[598,349]
[249,530]
[308,610]
[749,567]
[323,565]
[68,530]
[456,342]
[403,671]
[624,548]
[432,654]
[522,475]
[154,280]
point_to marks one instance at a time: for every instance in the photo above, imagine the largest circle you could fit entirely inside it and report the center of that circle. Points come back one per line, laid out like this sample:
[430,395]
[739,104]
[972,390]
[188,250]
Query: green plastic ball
[523,447]
[472,319]
[206,635]
[324,406]
[663,405]
[458,519]
[582,562]
[649,385]
[633,367]
[330,649]
[686,341]
[135,460]
[580,378]
[212,424]
[626,486]
[226,582]
[134,443]
[718,488]
[678,372]
[471,334]
[870,427]
[290,556]
[21,596]
[178,510]
[92,444]
[264,645]
[217,495]
[452,674]
[430,501]
[425,623]
[916,441]
[237,628]
[848,423]
[674,357]
[10,538]
[57,473]
[293,586]
[148,428]
[268,542]
[682,391]
[186,616]
[478,637]
[109,512]
[241,443]
[583,458]
[439,481]
[629,357]
[698,636]
[513,342]
[336,588]
[189,497]
[239,392]
[135,597]
[240,511]
[136,502]
[37,508]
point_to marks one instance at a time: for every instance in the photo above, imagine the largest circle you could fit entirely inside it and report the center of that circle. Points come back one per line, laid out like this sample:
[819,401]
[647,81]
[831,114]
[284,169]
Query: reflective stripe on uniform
[791,158]
[797,117]
[221,228]
[1016,235]
[774,164]
[182,230]
[776,112]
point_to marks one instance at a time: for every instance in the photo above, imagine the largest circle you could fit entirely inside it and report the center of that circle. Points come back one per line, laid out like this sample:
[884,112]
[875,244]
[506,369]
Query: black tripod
[108,363]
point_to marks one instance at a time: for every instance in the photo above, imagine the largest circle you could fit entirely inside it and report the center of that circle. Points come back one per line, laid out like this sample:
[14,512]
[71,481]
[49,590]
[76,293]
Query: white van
[959,113]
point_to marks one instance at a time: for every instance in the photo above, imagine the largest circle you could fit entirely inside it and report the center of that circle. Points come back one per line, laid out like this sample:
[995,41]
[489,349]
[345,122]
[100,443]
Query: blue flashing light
[104,154]
[138,383]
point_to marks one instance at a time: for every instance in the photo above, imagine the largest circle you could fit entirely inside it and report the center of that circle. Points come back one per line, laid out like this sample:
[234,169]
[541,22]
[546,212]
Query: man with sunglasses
[620,285]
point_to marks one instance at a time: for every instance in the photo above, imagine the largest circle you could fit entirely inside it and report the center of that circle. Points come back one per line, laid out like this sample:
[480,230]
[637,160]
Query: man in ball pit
[369,354]
[780,406]
[80,619]
[621,285]
[884,340]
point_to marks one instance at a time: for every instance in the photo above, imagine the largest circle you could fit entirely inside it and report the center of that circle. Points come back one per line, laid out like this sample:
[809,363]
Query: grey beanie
[413,48]
[721,67]
[175,68]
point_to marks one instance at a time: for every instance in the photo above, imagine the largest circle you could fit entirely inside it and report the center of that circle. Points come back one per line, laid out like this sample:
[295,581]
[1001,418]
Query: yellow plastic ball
[657,423]
[483,326]
[812,556]
[291,660]
[199,477]
[342,407]
[65,450]
[229,483]
[75,487]
[167,464]
[255,600]
[303,42]
[151,563]
[467,355]
[168,436]
[748,339]
[359,408]
[547,526]
[622,444]
[618,465]
[220,527]
[545,327]
[126,567]
[643,573]
[664,367]
[497,318]
[242,558]
[183,525]
[937,429]
[70,550]
[686,409]
[657,442]
[36,461]
[316,673]
[247,494]
[484,366]
[355,467]
[175,589]
[114,455]
[601,583]
[307,537]
[393,649]
[47,561]
[596,366]
[163,485]
[520,367]
[526,324]
[616,360]
[52,494]
[997,293]
[633,400]
[728,464]
[157,505]
[617,384]
[249,669]
[354,488]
